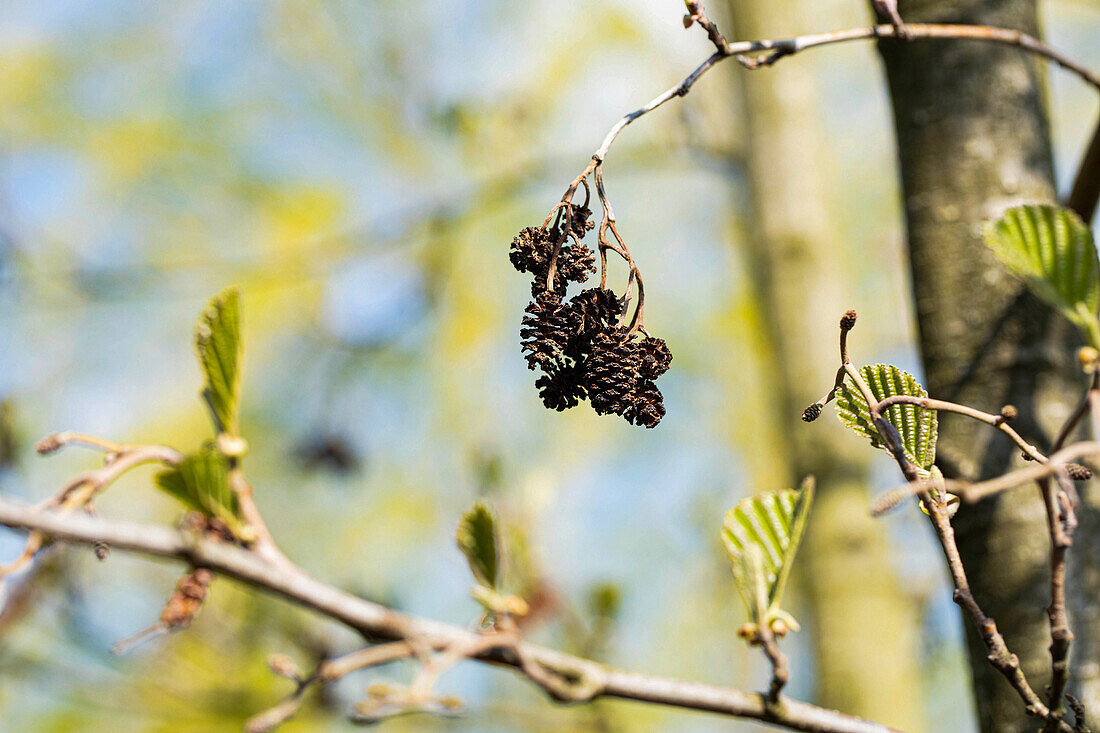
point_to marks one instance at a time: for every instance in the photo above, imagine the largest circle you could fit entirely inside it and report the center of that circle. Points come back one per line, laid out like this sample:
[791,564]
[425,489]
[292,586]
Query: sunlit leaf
[1051,249]
[478,539]
[201,483]
[761,535]
[916,425]
[218,339]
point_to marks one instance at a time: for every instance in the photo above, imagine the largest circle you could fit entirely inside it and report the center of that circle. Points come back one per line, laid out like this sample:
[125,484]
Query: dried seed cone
[545,330]
[531,250]
[656,357]
[811,413]
[592,311]
[648,405]
[611,371]
[576,262]
[848,321]
[580,220]
[560,387]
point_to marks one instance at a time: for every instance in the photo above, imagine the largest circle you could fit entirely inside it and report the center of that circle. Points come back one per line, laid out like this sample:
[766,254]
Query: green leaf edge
[479,540]
[1076,297]
[761,598]
[201,483]
[218,343]
[854,412]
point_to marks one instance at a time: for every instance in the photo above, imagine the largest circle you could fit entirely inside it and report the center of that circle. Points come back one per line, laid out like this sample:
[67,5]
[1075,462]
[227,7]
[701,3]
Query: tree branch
[378,622]
[773,50]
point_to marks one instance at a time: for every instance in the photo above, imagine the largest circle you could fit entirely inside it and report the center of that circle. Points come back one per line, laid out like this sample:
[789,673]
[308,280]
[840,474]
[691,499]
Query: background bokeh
[359,169]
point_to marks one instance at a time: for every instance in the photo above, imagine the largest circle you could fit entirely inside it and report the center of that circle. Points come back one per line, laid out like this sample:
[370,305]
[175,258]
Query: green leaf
[1051,249]
[916,425]
[201,483]
[218,339]
[761,535]
[477,537]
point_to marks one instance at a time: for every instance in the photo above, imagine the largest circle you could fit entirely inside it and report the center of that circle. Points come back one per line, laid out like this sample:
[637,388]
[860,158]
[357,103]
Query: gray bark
[973,138]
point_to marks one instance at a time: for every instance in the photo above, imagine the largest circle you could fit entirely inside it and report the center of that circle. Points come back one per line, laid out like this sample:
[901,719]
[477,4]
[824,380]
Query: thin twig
[384,623]
[998,654]
[774,50]
[264,543]
[998,421]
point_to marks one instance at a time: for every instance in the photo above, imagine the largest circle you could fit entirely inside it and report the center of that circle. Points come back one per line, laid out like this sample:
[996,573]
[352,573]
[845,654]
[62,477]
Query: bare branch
[771,51]
[380,622]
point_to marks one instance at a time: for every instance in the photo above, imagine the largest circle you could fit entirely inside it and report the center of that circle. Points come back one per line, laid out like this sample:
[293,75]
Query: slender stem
[971,493]
[384,623]
[1060,634]
[997,651]
[264,543]
[997,421]
[776,49]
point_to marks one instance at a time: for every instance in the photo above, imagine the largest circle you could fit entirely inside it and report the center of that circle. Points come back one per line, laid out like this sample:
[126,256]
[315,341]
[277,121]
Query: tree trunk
[973,138]
[863,625]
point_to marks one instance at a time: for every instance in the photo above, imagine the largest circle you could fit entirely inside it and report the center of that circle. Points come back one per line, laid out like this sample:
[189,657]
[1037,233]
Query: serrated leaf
[916,426]
[218,340]
[201,483]
[478,539]
[1051,249]
[761,535]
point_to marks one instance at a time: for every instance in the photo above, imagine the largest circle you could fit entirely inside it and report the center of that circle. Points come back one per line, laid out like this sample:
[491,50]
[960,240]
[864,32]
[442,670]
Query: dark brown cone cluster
[577,344]
[533,249]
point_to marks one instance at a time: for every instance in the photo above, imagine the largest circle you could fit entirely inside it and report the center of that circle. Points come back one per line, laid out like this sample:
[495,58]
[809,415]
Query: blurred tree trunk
[973,138]
[863,625]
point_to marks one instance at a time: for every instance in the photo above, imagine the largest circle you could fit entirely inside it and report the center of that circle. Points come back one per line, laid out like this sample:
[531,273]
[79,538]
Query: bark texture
[973,138]
[863,625]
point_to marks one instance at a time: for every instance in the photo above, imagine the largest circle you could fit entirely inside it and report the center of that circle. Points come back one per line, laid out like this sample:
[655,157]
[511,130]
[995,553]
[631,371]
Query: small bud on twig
[284,666]
[1087,357]
[49,444]
[848,321]
[812,412]
[1009,412]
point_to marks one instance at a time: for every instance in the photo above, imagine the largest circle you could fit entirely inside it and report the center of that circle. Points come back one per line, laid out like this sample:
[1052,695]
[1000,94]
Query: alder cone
[656,357]
[530,251]
[611,371]
[648,407]
[591,312]
[581,222]
[544,331]
[560,386]
[576,262]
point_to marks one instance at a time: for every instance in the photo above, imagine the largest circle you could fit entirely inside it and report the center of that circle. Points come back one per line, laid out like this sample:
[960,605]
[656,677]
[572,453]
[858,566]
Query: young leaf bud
[848,321]
[284,666]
